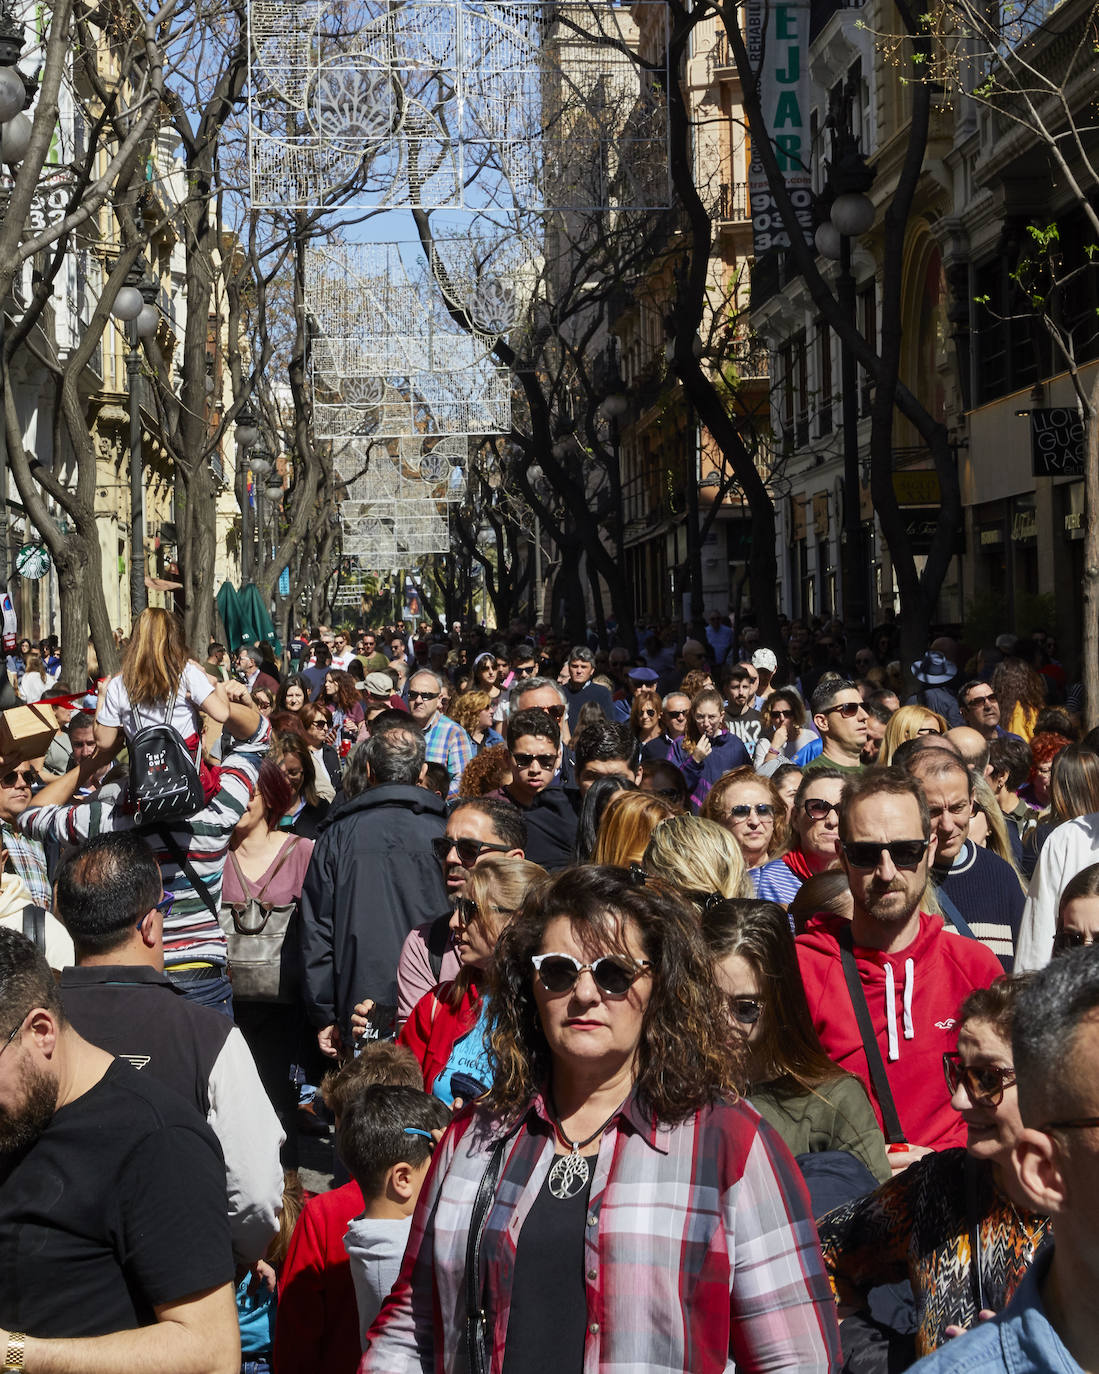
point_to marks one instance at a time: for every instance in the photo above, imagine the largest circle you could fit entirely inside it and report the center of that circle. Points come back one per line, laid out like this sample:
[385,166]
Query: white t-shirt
[342,660]
[194,688]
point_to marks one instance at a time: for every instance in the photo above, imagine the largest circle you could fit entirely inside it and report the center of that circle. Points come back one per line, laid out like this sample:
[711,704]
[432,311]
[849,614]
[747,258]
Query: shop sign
[920,526]
[991,536]
[1024,526]
[917,487]
[820,514]
[777,36]
[797,517]
[1057,441]
[32,561]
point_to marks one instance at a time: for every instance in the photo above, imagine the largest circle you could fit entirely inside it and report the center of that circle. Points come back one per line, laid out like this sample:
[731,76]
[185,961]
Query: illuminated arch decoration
[462,104]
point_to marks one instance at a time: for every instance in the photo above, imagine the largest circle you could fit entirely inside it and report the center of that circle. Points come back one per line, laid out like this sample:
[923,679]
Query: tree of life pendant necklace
[569,1174]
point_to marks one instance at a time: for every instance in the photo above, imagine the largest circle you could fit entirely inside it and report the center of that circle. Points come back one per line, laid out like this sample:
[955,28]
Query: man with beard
[113,1218]
[907,976]
[475,827]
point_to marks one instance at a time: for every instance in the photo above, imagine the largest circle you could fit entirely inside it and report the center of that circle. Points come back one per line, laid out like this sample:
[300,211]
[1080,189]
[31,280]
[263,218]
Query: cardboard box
[26,732]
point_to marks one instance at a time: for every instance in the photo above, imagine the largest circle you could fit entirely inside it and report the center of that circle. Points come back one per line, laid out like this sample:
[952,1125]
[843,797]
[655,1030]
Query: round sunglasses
[560,973]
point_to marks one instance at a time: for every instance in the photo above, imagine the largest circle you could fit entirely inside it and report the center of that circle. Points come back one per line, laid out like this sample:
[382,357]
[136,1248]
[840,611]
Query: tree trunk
[1090,636]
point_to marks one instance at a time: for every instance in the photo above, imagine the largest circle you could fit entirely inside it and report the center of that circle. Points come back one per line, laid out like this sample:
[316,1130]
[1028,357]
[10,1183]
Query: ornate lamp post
[134,306]
[261,464]
[851,214]
[247,437]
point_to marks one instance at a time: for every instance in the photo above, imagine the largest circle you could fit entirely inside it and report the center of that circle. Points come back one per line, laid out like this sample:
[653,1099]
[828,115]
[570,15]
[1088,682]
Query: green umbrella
[256,622]
[229,609]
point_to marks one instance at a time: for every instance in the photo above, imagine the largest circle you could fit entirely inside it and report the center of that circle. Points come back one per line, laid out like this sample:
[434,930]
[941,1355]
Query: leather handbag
[263,961]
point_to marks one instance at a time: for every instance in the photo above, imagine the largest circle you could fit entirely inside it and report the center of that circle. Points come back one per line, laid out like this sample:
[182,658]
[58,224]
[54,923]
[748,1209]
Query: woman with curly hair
[342,699]
[645,715]
[1036,791]
[473,712]
[610,1173]
[1021,693]
[486,772]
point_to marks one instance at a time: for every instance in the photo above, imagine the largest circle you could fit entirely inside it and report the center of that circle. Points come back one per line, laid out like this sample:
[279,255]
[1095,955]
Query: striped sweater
[191,934]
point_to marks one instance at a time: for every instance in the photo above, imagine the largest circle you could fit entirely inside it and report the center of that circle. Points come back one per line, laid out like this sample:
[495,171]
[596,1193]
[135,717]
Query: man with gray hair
[580,688]
[445,740]
[371,880]
[1051,1322]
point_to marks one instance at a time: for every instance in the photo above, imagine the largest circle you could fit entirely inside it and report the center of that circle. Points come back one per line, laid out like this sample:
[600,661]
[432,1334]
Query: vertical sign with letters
[778,52]
[1057,441]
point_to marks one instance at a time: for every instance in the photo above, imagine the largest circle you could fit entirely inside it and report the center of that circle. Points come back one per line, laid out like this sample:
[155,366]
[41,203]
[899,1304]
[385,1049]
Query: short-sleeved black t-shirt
[117,1208]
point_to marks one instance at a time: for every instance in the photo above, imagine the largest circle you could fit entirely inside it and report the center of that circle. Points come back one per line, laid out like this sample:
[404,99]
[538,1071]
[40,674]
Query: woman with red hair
[1044,748]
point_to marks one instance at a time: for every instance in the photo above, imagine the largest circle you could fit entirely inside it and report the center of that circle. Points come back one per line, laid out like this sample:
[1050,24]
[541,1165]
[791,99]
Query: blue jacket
[1019,1340]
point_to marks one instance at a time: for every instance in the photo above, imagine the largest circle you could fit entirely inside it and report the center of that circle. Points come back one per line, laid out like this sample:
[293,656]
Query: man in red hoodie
[913,975]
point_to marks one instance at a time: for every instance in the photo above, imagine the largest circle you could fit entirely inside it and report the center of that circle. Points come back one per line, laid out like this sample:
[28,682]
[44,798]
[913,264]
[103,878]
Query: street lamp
[247,436]
[274,496]
[134,306]
[261,464]
[851,213]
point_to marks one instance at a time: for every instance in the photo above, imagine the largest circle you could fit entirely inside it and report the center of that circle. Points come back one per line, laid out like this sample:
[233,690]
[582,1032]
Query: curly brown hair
[688,1056]
[466,709]
[486,772]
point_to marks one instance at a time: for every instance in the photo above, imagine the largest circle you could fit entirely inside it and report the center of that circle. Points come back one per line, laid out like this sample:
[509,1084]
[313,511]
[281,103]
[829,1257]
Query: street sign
[32,561]
[1057,441]
[284,582]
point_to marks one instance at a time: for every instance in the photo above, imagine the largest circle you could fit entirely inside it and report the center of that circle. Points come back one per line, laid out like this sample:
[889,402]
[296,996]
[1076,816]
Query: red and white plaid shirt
[700,1250]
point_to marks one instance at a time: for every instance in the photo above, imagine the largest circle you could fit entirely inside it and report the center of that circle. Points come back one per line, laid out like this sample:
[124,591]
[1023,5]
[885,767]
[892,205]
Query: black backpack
[164,780]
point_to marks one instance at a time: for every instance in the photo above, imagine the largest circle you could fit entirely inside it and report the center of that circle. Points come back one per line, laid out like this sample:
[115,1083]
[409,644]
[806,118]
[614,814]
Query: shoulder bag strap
[34,925]
[894,1134]
[477,1356]
[184,863]
[286,852]
[956,918]
[245,886]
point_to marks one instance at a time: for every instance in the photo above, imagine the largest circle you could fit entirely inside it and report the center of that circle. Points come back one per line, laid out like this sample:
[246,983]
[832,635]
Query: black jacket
[551,822]
[371,880]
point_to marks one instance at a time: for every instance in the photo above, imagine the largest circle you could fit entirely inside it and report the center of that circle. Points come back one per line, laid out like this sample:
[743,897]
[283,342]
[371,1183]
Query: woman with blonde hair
[626,827]
[908,722]
[751,809]
[160,683]
[698,858]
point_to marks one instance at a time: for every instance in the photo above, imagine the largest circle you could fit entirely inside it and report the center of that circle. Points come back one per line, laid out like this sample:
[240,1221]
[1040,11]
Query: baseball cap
[378,685]
[765,658]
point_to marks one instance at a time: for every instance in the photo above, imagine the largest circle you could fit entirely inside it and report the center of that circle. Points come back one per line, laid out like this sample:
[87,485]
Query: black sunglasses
[469,851]
[526,670]
[985,1083]
[424,696]
[742,811]
[12,779]
[560,973]
[746,1010]
[1072,939]
[867,853]
[545,761]
[816,808]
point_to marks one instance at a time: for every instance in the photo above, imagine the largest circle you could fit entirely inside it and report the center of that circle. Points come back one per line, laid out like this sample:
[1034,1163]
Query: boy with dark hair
[534,743]
[385,1138]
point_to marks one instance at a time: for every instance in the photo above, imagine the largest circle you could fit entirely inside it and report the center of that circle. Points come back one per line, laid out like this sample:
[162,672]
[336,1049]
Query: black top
[118,1207]
[549,1306]
[136,1013]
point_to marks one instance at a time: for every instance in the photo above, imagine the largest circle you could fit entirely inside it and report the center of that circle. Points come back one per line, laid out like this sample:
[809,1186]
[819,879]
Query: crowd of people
[717,1005]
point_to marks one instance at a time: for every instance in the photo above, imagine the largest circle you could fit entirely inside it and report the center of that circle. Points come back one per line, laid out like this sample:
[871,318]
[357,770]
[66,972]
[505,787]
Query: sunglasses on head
[1072,939]
[984,1083]
[546,761]
[468,850]
[746,1010]
[742,811]
[847,709]
[18,775]
[560,973]
[867,853]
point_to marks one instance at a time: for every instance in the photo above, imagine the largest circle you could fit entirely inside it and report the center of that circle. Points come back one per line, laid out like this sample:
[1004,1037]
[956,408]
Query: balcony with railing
[730,204]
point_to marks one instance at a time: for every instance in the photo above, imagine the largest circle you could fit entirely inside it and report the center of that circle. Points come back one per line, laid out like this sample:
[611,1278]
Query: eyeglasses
[560,973]
[164,906]
[984,1083]
[847,709]
[469,850]
[746,1010]
[867,853]
[423,696]
[781,715]
[978,701]
[546,761]
[17,776]
[1072,939]
[742,811]
[12,1036]
[816,808]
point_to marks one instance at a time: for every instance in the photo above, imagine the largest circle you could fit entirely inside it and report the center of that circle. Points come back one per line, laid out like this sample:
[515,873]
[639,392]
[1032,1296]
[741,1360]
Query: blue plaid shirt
[448,744]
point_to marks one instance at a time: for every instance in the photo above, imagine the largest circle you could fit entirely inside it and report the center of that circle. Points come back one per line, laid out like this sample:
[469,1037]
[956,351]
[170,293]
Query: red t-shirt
[317,1321]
